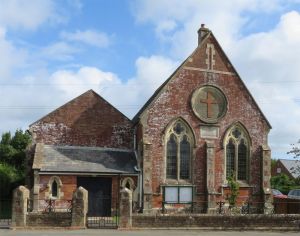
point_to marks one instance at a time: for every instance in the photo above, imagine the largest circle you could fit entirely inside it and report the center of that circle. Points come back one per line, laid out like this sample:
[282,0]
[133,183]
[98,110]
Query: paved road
[91,232]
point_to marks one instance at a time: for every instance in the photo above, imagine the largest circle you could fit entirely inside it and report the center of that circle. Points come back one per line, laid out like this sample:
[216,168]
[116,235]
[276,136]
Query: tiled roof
[293,166]
[85,160]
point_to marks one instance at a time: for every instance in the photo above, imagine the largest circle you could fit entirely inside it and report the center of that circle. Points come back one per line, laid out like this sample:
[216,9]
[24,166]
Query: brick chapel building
[201,126]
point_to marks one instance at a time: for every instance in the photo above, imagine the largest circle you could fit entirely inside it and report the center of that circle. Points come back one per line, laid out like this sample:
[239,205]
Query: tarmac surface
[102,232]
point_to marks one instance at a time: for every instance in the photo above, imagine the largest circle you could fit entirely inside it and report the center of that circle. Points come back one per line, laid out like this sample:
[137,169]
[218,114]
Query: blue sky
[53,50]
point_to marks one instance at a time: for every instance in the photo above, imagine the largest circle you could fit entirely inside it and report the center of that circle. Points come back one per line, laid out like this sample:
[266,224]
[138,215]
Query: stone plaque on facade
[209,104]
[209,132]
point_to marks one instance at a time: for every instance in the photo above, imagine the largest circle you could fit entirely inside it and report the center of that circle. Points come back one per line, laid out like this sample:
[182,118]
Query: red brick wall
[199,57]
[174,101]
[88,120]
[115,191]
[69,185]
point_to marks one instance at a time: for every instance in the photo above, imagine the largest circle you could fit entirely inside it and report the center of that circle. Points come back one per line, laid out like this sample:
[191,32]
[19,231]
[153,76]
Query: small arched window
[54,189]
[128,183]
[179,140]
[237,151]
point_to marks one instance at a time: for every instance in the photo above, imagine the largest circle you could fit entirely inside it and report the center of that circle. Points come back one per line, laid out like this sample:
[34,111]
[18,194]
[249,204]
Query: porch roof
[51,158]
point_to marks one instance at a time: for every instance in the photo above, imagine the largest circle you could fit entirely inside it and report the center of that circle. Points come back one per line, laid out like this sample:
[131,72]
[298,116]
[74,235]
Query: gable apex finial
[202,32]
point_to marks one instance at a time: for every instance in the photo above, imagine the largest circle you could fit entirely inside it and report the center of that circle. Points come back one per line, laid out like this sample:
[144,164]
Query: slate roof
[293,166]
[75,159]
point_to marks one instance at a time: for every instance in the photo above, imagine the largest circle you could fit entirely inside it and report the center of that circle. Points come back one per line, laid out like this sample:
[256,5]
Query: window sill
[242,184]
[176,182]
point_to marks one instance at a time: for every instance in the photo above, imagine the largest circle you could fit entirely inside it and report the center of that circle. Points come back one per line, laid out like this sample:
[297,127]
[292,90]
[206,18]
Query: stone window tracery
[237,151]
[179,141]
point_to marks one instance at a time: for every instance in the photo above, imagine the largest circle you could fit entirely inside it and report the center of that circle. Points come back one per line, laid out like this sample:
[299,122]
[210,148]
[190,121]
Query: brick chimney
[202,32]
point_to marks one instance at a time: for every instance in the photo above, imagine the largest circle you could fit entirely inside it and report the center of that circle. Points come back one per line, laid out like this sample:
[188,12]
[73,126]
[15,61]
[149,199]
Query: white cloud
[151,72]
[127,96]
[225,18]
[268,62]
[10,57]
[26,14]
[91,37]
[42,92]
[73,83]
[61,51]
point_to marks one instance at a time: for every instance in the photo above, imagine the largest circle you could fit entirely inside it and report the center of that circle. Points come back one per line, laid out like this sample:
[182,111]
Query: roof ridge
[288,159]
[88,147]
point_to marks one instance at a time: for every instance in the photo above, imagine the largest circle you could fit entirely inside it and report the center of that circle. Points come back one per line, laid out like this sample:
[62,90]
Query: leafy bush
[12,160]
[283,183]
[10,178]
[234,190]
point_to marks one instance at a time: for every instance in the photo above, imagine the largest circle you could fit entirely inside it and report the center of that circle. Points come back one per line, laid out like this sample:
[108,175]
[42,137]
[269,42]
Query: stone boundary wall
[125,221]
[75,219]
[224,222]
[53,219]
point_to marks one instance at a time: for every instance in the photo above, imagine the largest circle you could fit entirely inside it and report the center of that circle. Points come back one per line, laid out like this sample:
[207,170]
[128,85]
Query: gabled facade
[86,142]
[88,120]
[291,168]
[199,128]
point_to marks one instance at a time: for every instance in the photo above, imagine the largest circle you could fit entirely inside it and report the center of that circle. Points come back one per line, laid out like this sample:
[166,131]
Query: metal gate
[5,213]
[108,220]
[103,211]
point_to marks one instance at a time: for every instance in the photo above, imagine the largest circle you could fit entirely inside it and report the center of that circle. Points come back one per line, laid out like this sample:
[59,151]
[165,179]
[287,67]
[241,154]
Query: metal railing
[5,213]
[50,205]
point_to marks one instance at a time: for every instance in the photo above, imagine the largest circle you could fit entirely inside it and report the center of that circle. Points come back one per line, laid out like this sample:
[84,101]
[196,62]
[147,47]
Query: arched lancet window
[237,153]
[185,153]
[54,188]
[172,157]
[242,160]
[128,183]
[179,141]
[230,156]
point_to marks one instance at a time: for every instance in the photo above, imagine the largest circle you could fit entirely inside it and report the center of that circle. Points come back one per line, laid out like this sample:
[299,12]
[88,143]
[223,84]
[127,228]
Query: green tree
[12,160]
[10,178]
[273,162]
[283,183]
[13,149]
